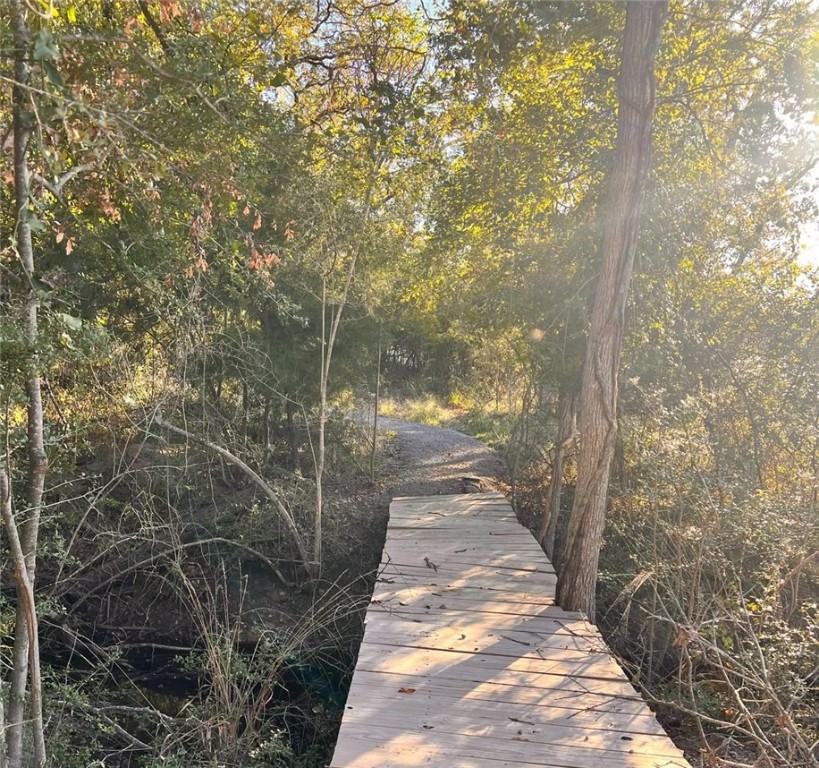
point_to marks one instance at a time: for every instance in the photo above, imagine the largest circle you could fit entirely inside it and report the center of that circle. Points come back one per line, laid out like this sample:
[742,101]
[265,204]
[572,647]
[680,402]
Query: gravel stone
[432,460]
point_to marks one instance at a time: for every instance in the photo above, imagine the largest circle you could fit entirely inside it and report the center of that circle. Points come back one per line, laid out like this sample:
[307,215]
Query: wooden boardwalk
[467,663]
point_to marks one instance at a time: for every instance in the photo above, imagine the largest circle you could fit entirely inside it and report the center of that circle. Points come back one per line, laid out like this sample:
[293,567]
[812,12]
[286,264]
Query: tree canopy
[217,213]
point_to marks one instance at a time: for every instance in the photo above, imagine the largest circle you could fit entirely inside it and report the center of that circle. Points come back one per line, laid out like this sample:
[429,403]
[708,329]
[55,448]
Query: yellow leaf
[71,12]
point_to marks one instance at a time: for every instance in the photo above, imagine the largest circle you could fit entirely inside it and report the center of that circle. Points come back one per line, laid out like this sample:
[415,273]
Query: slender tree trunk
[292,435]
[620,469]
[25,605]
[375,409]
[598,398]
[25,655]
[266,430]
[245,411]
[565,435]
[3,755]
[328,342]
[326,353]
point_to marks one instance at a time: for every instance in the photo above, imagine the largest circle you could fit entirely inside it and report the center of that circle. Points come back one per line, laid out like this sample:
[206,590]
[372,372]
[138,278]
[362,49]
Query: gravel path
[432,460]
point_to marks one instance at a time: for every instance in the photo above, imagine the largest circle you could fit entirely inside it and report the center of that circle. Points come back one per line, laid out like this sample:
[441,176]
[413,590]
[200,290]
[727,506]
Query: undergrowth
[482,421]
[708,590]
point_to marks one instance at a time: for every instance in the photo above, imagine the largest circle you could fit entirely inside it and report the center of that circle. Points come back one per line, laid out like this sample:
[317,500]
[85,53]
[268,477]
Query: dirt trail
[432,460]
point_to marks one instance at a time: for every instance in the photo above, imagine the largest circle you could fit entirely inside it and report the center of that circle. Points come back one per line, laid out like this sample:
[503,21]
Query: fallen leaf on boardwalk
[406,690]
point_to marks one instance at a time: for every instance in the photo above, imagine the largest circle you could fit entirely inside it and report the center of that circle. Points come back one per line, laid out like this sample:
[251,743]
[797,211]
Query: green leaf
[34,224]
[74,323]
[44,46]
[54,77]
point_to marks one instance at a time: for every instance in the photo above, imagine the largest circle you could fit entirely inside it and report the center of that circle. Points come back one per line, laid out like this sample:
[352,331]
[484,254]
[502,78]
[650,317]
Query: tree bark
[565,435]
[328,342]
[25,605]
[598,398]
[292,435]
[376,406]
[25,655]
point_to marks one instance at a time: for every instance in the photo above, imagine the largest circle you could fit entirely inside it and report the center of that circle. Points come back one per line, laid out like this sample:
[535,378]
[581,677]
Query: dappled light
[460,664]
[490,327]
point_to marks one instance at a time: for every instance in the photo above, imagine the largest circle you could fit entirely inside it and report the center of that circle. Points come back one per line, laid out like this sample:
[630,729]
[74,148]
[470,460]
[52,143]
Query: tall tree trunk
[328,342]
[376,406]
[245,411]
[565,435]
[27,607]
[25,661]
[326,354]
[598,397]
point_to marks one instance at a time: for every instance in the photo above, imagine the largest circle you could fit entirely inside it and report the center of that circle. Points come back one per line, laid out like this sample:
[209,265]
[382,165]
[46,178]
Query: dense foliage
[232,206]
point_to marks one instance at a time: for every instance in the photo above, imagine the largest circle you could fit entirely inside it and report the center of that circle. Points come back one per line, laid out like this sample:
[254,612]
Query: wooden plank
[471,574]
[375,701]
[500,585]
[512,546]
[504,563]
[531,630]
[497,675]
[440,607]
[469,664]
[477,576]
[463,552]
[534,732]
[428,592]
[503,645]
[393,746]
[597,672]
[463,514]
[458,554]
[412,633]
[453,501]
[567,694]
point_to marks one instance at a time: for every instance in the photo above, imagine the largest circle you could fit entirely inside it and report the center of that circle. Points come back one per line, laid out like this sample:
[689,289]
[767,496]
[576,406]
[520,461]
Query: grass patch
[483,423]
[489,426]
[423,410]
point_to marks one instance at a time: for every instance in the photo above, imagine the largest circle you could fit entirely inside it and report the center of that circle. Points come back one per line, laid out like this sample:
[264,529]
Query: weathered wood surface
[467,663]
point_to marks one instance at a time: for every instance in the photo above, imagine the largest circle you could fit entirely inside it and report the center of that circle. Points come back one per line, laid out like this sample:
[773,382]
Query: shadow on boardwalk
[467,662]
